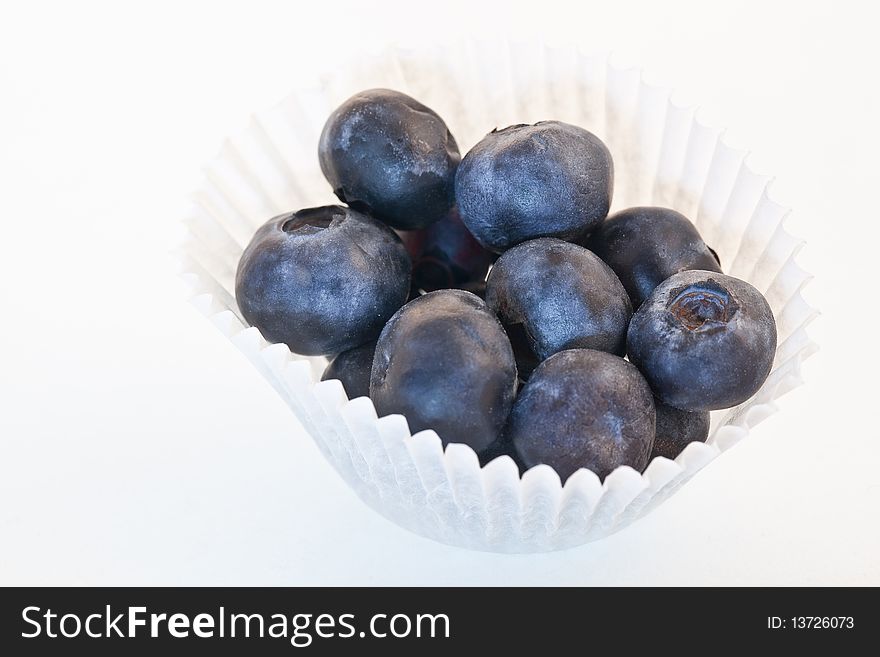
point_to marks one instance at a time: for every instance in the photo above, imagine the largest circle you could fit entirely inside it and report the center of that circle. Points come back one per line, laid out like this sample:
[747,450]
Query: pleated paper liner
[663,154]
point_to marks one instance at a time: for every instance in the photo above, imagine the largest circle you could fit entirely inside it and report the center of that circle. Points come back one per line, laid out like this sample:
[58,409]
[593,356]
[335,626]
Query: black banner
[114,621]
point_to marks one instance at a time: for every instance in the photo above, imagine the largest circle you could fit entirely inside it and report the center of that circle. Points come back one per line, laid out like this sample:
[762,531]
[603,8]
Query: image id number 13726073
[810,623]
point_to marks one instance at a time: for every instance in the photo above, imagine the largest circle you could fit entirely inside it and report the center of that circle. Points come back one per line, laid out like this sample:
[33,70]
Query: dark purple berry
[703,340]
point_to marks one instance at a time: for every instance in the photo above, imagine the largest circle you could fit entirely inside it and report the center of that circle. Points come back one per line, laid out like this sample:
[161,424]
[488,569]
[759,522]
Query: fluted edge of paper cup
[664,155]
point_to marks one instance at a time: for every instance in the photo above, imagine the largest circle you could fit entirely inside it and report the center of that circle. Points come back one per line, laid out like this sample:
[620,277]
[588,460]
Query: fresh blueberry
[446,255]
[353,369]
[550,179]
[677,429]
[646,245]
[703,340]
[388,155]
[445,363]
[583,408]
[563,295]
[322,280]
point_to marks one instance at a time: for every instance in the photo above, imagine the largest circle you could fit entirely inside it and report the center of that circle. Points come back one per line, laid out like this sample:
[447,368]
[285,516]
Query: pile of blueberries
[492,299]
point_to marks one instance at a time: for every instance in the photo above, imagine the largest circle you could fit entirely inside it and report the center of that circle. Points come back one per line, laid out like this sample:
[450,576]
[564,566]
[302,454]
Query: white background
[137,446]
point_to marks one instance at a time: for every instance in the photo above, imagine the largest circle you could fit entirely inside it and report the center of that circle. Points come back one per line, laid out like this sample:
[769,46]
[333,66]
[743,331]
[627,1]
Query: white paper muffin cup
[663,155]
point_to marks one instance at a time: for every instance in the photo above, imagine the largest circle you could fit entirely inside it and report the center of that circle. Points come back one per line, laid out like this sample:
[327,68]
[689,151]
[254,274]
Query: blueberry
[550,179]
[563,295]
[583,408]
[676,429]
[388,155]
[445,363]
[646,245]
[703,340]
[322,280]
[446,255]
[352,368]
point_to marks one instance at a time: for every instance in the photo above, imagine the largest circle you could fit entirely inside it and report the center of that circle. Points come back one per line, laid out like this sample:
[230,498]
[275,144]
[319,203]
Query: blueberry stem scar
[703,307]
[315,217]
